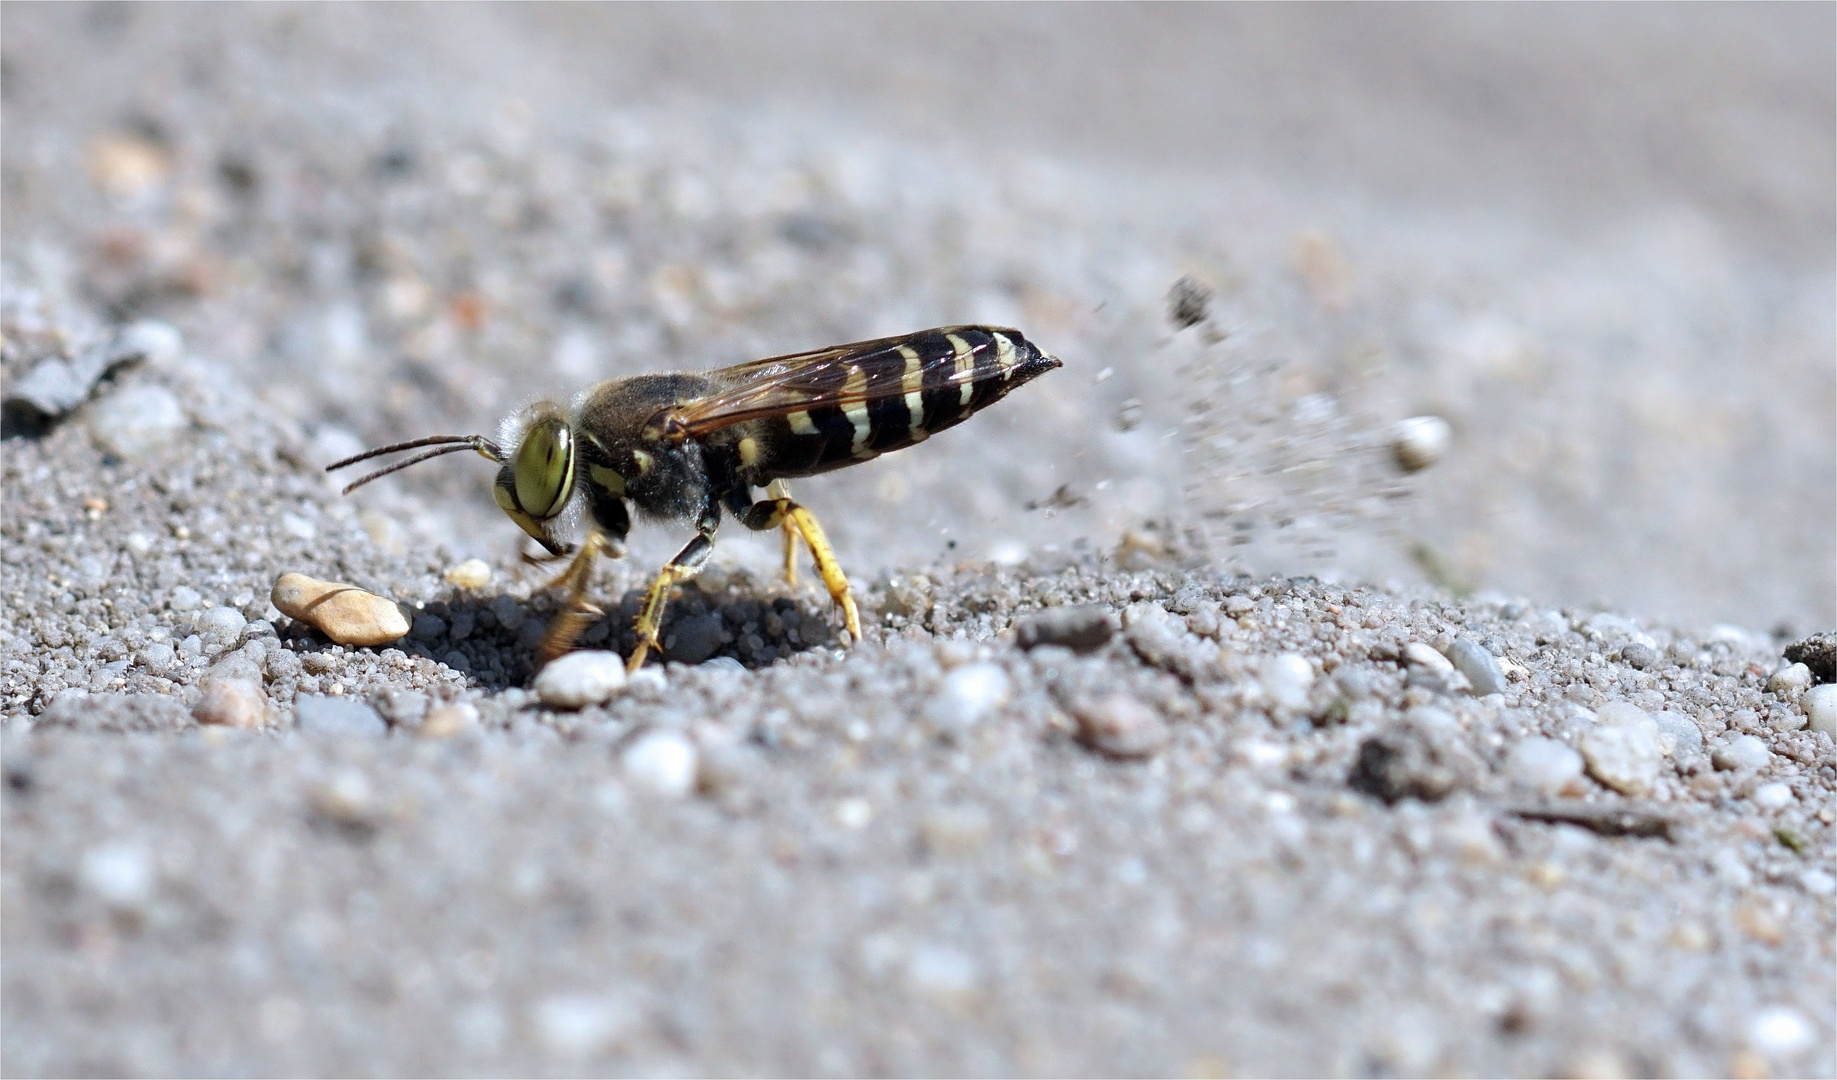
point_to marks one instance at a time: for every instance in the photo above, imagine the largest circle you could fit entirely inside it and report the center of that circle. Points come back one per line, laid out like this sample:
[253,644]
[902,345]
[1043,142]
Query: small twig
[1597,818]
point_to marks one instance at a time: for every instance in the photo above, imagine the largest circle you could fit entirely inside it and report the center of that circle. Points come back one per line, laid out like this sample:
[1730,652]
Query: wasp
[680,447]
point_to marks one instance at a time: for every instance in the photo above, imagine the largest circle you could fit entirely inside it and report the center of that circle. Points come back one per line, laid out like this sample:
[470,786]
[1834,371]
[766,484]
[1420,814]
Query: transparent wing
[840,375]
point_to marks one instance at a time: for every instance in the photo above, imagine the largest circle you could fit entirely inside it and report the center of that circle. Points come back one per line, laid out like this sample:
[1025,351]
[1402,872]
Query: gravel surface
[1219,712]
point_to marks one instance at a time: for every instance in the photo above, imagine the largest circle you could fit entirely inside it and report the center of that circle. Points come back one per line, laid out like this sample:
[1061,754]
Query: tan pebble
[345,799]
[1119,726]
[1748,1065]
[471,574]
[955,830]
[445,721]
[346,614]
[236,703]
[1761,921]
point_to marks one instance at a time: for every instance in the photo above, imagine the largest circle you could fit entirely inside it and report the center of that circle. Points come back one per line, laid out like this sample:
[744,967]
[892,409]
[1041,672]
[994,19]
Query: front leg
[687,563]
[576,614]
[772,513]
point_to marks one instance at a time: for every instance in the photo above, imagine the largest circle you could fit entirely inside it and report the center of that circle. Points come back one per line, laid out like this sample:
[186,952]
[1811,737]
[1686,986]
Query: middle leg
[687,563]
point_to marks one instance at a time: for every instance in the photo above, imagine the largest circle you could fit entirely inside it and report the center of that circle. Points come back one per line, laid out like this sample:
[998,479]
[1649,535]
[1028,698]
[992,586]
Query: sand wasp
[679,447]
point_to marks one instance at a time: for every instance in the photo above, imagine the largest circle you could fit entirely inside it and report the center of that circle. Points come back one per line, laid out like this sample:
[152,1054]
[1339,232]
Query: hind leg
[781,512]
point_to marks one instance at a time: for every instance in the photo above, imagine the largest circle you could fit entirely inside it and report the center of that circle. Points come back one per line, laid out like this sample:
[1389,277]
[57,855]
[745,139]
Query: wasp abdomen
[896,396]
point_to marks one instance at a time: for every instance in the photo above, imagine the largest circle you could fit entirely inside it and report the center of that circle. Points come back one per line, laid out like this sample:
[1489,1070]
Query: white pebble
[943,973]
[1286,679]
[135,420]
[1678,734]
[1775,796]
[968,694]
[582,1025]
[854,813]
[1742,752]
[1425,656]
[184,598]
[120,874]
[580,679]
[1622,749]
[223,623]
[471,574]
[1543,765]
[1120,726]
[1820,705]
[1790,681]
[1779,1031]
[1818,883]
[661,762]
[1420,442]
[158,343]
[1481,668]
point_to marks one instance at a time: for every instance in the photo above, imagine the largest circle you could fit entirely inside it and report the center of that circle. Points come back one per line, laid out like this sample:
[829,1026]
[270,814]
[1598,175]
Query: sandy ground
[1261,829]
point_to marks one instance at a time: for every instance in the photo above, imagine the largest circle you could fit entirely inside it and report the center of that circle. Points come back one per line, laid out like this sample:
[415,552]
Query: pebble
[1775,796]
[1413,760]
[346,614]
[1622,749]
[448,720]
[1120,726]
[156,342]
[696,638]
[1820,705]
[121,875]
[662,763]
[428,628]
[580,679]
[1678,734]
[1780,1031]
[1420,442]
[955,830]
[345,799]
[968,694]
[1481,669]
[232,702]
[1544,765]
[184,598]
[1286,679]
[1742,752]
[136,420]
[943,974]
[1425,656]
[1639,655]
[471,574]
[336,717]
[583,1025]
[1081,629]
[222,623]
[1790,681]
[1819,653]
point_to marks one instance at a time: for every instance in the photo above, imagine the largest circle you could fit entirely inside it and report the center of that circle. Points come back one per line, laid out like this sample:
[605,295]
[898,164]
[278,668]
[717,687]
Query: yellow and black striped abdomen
[889,397]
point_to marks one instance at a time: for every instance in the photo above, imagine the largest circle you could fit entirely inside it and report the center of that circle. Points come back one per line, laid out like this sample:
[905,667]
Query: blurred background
[1597,240]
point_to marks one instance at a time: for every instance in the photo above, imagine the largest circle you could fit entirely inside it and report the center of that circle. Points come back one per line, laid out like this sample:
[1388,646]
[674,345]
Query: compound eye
[545,468]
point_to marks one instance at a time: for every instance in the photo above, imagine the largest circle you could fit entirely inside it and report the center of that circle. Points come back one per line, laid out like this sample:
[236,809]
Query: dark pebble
[695,639]
[1410,762]
[1818,652]
[1080,629]
[1640,656]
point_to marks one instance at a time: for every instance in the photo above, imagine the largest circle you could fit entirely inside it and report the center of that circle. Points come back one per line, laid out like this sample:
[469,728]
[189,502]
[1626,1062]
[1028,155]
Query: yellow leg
[687,563]
[826,565]
[578,614]
[779,490]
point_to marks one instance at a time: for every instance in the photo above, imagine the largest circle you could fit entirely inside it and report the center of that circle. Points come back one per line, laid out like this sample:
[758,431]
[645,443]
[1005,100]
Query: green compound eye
[545,469]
